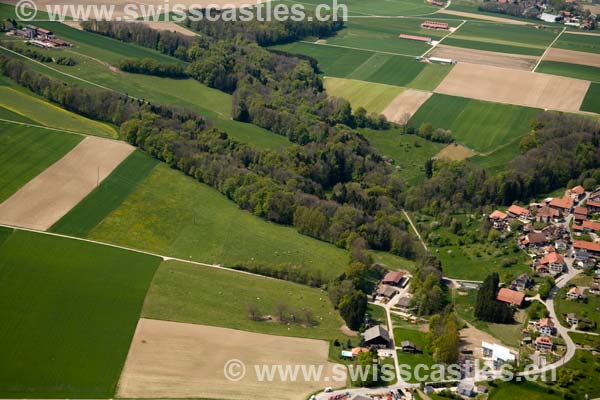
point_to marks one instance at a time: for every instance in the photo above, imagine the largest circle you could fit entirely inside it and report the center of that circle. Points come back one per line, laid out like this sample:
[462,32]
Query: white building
[498,354]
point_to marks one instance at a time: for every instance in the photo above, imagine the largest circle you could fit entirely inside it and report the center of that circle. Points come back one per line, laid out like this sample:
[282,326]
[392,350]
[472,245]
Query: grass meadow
[172,214]
[412,334]
[69,311]
[521,390]
[38,111]
[374,97]
[27,151]
[588,309]
[107,197]
[409,152]
[577,71]
[380,7]
[203,295]
[480,125]
[587,43]
[503,38]
[591,101]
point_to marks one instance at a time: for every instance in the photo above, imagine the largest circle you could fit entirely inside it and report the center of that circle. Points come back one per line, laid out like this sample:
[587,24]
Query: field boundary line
[442,39]
[548,49]
[149,253]
[358,48]
[52,128]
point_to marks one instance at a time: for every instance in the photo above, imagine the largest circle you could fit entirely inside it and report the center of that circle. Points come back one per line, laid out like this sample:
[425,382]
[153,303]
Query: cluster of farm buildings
[39,37]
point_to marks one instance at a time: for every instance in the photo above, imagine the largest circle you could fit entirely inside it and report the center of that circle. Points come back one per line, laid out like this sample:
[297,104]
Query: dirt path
[177,360]
[415,229]
[50,195]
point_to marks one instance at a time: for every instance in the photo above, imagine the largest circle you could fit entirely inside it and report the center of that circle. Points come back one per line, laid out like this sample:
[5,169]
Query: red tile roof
[582,244]
[552,258]
[580,210]
[543,340]
[510,296]
[566,203]
[518,210]
[414,37]
[394,276]
[546,322]
[578,190]
[546,211]
[591,203]
[498,215]
[591,225]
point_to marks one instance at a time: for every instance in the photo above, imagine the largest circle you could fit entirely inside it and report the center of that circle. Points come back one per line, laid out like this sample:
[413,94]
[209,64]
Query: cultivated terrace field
[69,311]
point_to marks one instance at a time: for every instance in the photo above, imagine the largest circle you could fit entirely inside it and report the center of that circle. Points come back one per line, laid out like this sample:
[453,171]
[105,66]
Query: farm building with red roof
[510,296]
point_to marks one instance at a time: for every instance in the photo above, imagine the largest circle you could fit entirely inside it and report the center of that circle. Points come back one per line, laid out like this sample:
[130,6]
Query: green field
[480,125]
[69,311]
[210,296]
[504,38]
[170,213]
[381,34]
[107,197]
[371,66]
[22,102]
[94,54]
[410,152]
[420,339]
[373,97]
[570,70]
[27,151]
[587,43]
[13,116]
[524,390]
[591,101]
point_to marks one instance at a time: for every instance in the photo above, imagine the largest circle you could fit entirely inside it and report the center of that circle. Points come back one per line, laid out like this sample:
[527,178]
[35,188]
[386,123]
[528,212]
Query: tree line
[150,66]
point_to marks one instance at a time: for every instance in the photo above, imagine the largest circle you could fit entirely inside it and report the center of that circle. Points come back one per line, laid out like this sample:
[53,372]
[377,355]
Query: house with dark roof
[534,239]
[522,282]
[377,337]
[572,319]
[547,214]
[410,347]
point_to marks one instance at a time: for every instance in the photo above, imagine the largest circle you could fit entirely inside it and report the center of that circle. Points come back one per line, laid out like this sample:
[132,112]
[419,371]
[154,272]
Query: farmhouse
[510,296]
[593,226]
[593,206]
[415,37]
[498,219]
[534,239]
[404,303]
[377,337]
[516,211]
[547,214]
[434,25]
[410,347]
[588,246]
[393,278]
[543,343]
[580,214]
[576,193]
[499,355]
[563,204]
[522,282]
[554,261]
[386,291]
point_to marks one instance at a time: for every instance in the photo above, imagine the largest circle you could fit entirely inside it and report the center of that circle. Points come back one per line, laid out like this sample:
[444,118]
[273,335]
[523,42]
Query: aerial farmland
[215,208]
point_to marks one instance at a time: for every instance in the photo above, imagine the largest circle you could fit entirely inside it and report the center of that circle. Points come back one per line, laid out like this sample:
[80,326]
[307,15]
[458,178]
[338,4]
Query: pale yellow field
[405,105]
[374,97]
[177,360]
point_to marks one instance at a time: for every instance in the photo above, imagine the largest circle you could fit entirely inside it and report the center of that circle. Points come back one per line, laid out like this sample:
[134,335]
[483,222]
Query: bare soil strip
[483,57]
[405,105]
[177,360]
[50,195]
[484,17]
[455,152]
[573,57]
[514,87]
